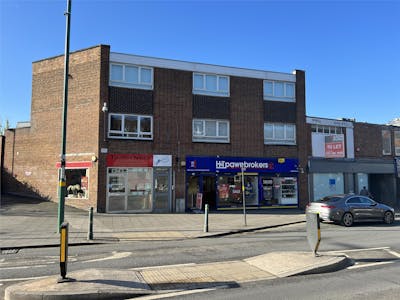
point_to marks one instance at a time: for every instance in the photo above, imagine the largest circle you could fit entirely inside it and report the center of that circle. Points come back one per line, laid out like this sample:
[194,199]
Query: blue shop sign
[236,164]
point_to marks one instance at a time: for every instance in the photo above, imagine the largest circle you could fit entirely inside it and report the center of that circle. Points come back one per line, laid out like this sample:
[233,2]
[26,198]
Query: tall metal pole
[244,199]
[62,179]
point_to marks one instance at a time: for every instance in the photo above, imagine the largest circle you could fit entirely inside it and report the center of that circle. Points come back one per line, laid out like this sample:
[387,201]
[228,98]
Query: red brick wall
[173,114]
[368,140]
[37,149]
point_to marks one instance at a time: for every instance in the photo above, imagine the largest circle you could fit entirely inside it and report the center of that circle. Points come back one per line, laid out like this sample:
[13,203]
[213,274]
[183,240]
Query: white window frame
[122,134]
[322,128]
[284,98]
[285,140]
[211,139]
[124,83]
[204,91]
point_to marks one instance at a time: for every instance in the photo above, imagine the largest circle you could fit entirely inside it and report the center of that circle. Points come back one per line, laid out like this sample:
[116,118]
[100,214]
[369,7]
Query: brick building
[157,135]
[348,155]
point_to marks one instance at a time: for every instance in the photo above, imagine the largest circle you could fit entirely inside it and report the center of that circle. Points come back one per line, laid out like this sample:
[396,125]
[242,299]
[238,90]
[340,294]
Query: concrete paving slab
[120,284]
[284,264]
[88,284]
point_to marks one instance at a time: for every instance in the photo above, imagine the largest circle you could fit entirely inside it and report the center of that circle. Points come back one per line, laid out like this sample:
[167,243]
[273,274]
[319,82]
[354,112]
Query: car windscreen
[330,199]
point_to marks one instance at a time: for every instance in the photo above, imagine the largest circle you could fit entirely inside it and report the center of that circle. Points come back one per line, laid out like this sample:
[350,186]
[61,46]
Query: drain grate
[9,251]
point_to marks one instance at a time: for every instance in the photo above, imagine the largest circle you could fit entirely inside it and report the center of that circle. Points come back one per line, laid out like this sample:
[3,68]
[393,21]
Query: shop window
[230,190]
[279,91]
[130,126]
[216,131]
[130,189]
[77,183]
[210,84]
[279,133]
[131,76]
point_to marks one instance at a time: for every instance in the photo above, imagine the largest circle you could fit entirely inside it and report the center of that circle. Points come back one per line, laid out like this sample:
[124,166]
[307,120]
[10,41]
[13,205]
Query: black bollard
[90,230]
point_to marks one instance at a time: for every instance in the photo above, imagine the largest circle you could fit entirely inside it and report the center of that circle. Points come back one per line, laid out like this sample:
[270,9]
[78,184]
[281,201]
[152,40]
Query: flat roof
[199,67]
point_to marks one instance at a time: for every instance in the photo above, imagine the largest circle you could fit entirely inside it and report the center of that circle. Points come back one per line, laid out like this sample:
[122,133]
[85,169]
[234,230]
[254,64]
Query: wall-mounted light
[105,108]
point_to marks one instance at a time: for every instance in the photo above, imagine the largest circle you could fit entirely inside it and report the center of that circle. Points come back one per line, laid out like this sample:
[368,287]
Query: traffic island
[123,284]
[86,284]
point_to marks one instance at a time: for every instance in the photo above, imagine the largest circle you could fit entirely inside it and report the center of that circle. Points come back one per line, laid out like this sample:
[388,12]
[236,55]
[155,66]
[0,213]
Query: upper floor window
[130,126]
[386,143]
[327,129]
[279,91]
[131,76]
[215,131]
[208,84]
[397,142]
[279,133]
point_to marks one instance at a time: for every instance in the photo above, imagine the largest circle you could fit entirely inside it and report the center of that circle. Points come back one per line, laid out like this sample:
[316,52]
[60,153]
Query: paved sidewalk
[26,222]
[31,223]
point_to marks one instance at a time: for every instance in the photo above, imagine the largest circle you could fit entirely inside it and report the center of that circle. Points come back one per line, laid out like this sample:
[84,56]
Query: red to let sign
[334,146]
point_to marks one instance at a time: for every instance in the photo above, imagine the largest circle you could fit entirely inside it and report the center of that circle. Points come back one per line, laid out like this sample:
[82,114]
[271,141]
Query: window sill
[211,93]
[194,140]
[279,99]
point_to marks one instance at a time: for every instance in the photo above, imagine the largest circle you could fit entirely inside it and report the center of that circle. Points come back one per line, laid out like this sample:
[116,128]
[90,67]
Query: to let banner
[334,146]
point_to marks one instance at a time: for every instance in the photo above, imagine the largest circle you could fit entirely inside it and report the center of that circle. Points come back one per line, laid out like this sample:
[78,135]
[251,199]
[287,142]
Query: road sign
[313,231]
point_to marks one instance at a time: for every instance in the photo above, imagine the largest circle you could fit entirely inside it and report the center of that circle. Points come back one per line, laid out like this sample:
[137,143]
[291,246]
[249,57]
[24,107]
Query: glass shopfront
[266,182]
[326,184]
[142,185]
[278,190]
[130,189]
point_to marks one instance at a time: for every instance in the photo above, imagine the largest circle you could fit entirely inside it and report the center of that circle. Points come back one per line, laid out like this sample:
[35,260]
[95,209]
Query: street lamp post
[62,180]
[244,198]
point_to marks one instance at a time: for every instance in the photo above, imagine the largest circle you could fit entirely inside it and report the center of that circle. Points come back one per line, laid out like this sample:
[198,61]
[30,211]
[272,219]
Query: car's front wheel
[388,217]
[347,219]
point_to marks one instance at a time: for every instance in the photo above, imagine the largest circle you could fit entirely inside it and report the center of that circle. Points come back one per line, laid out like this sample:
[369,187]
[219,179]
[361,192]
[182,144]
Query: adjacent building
[147,134]
[348,155]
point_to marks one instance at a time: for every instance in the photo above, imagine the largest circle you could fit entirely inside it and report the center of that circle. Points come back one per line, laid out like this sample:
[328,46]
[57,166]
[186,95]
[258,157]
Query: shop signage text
[138,160]
[227,165]
[237,164]
[334,146]
[129,160]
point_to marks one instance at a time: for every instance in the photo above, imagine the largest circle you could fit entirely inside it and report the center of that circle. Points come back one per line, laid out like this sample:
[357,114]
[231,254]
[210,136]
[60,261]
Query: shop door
[116,192]
[209,191]
[162,190]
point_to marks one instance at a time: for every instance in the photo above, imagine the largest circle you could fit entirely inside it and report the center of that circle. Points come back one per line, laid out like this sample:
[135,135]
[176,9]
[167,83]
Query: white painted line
[180,293]
[361,249]
[21,279]
[393,252]
[115,255]
[370,265]
[24,267]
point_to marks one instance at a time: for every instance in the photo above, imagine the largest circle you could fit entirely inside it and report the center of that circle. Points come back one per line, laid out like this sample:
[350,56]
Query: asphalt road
[33,263]
[370,283]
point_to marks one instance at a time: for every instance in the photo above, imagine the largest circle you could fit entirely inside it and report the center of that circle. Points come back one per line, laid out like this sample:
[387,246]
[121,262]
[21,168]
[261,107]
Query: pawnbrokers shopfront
[222,181]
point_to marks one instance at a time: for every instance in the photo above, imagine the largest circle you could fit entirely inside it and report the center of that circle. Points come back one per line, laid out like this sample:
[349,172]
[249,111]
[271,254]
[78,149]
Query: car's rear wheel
[388,217]
[347,219]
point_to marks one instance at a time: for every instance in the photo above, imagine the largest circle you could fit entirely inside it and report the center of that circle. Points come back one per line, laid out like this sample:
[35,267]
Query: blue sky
[350,50]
